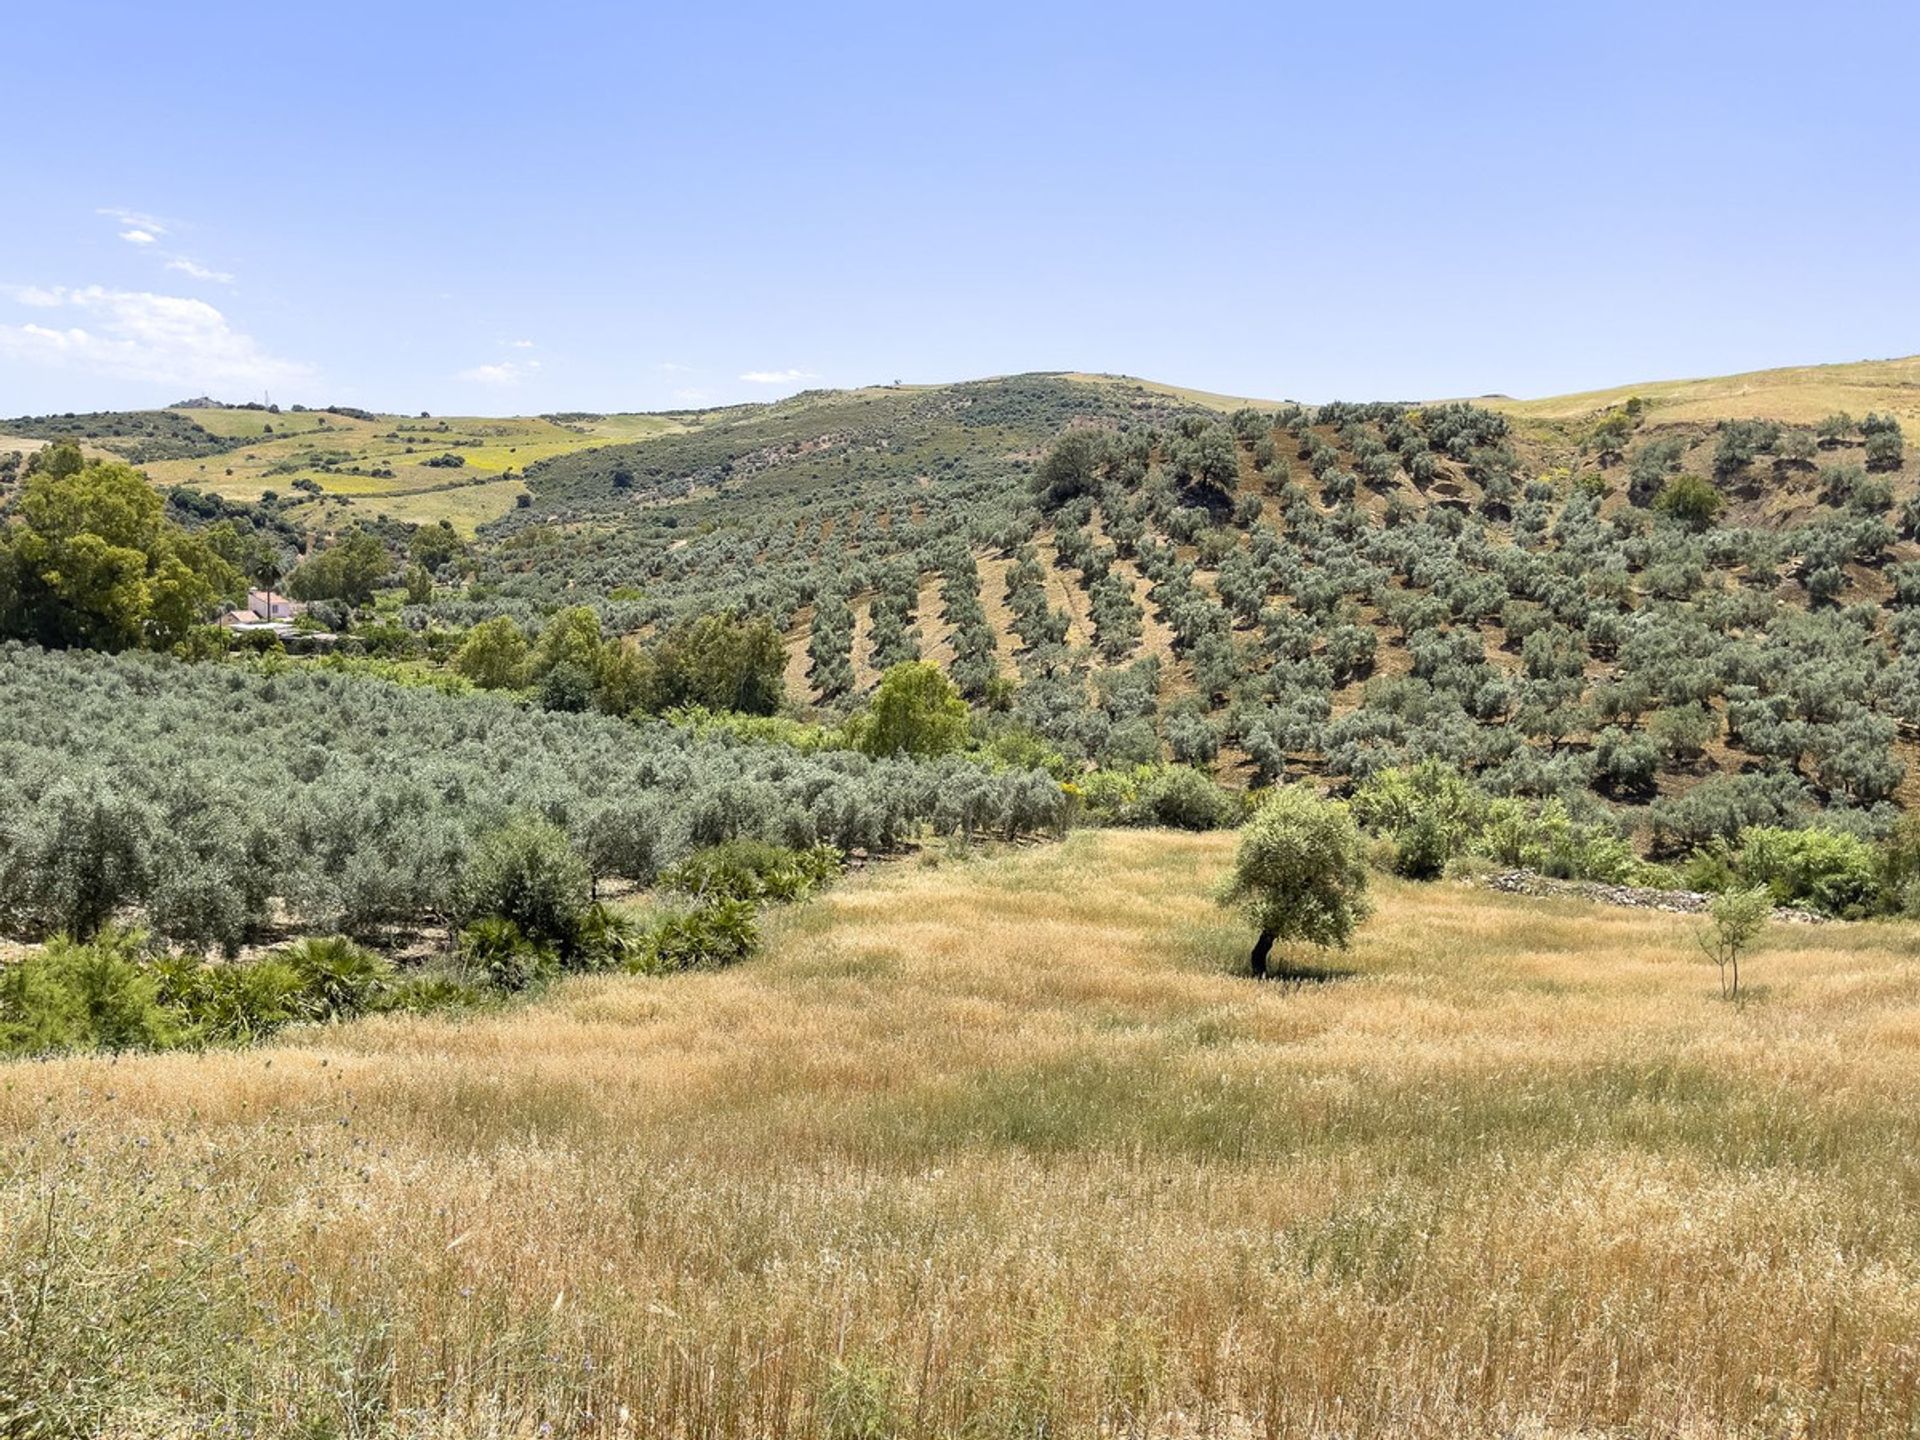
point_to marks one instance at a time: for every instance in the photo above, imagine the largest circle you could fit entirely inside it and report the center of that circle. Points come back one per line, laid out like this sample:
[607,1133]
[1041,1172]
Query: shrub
[1833,872]
[712,935]
[1300,873]
[1183,799]
[753,870]
[526,872]
[1547,838]
[231,1004]
[1431,813]
[425,994]
[74,996]
[606,939]
[338,978]
[501,951]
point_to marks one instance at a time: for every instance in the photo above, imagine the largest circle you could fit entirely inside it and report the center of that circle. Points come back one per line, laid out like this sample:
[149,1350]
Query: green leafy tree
[437,547]
[721,663]
[349,570]
[1070,468]
[1690,502]
[494,655]
[1736,920]
[92,561]
[571,637]
[419,584]
[1300,874]
[915,711]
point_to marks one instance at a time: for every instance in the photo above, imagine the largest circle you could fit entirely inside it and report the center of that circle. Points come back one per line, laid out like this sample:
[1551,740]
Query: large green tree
[721,663]
[91,560]
[915,711]
[1300,874]
[347,570]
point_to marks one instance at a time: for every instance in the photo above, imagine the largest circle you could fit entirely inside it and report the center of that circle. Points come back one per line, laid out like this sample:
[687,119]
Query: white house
[271,605]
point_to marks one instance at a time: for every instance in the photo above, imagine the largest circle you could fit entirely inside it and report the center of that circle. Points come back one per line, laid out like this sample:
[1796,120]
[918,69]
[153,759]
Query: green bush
[425,994]
[526,872]
[1834,873]
[1431,813]
[229,1004]
[1177,796]
[506,955]
[338,978]
[606,940]
[714,934]
[1547,838]
[73,996]
[1183,798]
[753,870]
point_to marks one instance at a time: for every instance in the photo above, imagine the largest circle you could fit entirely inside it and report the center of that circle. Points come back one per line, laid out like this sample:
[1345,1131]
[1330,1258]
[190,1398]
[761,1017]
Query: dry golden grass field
[1007,1148]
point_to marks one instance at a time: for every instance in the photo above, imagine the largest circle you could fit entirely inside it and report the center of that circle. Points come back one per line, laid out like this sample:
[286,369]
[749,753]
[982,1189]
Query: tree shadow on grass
[1295,973]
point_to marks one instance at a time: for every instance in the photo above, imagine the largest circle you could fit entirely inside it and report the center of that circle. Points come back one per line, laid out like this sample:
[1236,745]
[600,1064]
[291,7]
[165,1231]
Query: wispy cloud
[520,345]
[198,271]
[673,367]
[138,222]
[502,373]
[777,377]
[139,237]
[133,334]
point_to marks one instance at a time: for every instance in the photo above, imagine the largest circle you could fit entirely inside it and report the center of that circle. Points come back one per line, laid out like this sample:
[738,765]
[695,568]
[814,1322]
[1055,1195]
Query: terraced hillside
[1664,608]
[1617,606]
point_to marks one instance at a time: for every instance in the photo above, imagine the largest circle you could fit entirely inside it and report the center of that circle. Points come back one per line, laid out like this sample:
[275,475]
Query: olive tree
[1736,919]
[1300,874]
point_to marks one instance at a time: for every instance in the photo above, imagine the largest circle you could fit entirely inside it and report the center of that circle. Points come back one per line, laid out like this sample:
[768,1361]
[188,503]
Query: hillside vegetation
[1673,621]
[1007,1149]
[1614,614]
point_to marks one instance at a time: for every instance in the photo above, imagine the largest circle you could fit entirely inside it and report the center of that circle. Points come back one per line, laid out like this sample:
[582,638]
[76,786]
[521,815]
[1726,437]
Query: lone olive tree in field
[1738,917]
[1300,874]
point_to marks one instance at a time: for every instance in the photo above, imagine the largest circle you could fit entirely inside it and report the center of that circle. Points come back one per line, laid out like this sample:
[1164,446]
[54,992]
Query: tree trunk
[1258,961]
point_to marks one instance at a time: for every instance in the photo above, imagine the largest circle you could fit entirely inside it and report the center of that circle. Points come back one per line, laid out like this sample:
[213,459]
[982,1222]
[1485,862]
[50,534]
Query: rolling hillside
[1610,597]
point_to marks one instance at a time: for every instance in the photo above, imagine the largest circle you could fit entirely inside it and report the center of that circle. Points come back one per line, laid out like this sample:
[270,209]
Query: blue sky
[489,208]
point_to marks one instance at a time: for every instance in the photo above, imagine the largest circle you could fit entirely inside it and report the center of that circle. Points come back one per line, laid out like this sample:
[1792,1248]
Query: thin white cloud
[505,372]
[778,377]
[136,220]
[520,345]
[139,237]
[674,367]
[198,271]
[135,335]
[37,295]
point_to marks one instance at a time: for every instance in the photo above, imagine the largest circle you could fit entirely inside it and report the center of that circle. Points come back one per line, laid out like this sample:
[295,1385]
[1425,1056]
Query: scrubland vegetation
[1007,1148]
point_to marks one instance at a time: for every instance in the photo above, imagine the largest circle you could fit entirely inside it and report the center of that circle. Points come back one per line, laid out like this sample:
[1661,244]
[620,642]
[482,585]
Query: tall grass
[1007,1148]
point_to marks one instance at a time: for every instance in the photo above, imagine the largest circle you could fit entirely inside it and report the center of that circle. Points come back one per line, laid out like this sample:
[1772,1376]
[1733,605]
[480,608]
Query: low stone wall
[1636,897]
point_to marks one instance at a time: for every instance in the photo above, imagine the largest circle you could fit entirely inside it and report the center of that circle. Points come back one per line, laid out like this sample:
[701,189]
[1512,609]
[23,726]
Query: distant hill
[1798,395]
